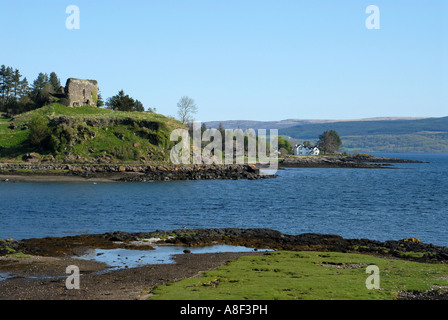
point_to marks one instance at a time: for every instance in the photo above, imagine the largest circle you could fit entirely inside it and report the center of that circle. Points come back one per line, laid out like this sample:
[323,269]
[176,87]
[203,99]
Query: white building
[301,150]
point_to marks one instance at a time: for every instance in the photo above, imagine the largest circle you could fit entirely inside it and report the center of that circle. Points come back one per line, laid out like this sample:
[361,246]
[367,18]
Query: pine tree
[24,88]
[100,101]
[7,83]
[39,84]
[2,85]
[138,106]
[16,84]
[55,82]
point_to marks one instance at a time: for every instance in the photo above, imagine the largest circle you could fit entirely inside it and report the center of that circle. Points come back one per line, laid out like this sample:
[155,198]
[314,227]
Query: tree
[185,109]
[3,84]
[138,106]
[39,84]
[24,88]
[123,102]
[307,143]
[55,82]
[99,102]
[284,144]
[203,128]
[16,84]
[14,92]
[329,142]
[6,83]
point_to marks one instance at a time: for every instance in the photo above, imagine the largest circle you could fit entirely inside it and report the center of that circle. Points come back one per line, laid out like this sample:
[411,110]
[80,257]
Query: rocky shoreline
[135,173]
[169,172]
[35,274]
[409,249]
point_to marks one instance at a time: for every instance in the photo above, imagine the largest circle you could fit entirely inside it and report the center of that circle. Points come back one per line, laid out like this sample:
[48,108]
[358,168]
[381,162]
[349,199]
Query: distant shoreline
[54,172]
[342,161]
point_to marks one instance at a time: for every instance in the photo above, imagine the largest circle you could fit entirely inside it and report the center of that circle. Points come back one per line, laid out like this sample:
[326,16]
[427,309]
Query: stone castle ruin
[81,92]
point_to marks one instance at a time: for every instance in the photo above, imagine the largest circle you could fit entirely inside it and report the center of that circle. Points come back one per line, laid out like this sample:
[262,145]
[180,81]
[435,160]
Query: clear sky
[242,59]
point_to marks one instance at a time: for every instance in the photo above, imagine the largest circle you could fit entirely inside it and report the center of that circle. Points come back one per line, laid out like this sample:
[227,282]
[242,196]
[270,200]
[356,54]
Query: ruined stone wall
[81,92]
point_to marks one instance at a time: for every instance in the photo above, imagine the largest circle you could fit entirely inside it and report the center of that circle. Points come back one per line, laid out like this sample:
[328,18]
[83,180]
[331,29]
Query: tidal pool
[127,258]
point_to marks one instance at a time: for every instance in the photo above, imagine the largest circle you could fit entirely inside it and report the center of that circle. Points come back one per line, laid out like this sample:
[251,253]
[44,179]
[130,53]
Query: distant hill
[382,134]
[249,124]
[282,124]
[422,135]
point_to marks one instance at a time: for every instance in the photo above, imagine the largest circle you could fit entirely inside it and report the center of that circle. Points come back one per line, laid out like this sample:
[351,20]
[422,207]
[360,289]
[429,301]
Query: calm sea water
[409,201]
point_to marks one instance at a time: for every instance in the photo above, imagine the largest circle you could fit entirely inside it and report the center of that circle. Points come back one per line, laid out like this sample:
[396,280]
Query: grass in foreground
[300,275]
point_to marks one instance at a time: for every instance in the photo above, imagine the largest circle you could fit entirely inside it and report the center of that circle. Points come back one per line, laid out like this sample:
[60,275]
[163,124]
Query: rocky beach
[127,173]
[36,270]
[49,171]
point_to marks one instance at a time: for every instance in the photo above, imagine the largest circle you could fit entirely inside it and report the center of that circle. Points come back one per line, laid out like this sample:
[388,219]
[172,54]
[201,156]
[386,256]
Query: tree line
[17,95]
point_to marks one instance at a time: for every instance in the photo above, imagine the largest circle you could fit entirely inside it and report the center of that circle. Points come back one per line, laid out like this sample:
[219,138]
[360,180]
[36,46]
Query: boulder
[31,157]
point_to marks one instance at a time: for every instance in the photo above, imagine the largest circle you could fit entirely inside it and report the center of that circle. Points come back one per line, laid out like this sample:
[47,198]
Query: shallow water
[126,258]
[4,276]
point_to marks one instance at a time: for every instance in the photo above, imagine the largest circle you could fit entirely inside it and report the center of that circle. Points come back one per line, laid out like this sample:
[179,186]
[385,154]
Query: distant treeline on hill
[423,135]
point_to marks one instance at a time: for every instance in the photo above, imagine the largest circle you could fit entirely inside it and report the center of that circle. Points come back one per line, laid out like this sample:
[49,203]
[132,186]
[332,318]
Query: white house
[301,150]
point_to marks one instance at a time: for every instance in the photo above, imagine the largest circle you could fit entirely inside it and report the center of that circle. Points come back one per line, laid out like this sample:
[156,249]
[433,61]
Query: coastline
[37,268]
[126,173]
[359,161]
[49,178]
[53,172]
[253,238]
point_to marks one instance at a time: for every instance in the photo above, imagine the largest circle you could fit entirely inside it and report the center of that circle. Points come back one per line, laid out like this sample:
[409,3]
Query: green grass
[19,255]
[124,143]
[12,142]
[87,112]
[286,275]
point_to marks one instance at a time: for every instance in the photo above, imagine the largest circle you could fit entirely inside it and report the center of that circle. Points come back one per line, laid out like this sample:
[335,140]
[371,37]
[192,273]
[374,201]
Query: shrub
[64,102]
[123,153]
[39,131]
[54,143]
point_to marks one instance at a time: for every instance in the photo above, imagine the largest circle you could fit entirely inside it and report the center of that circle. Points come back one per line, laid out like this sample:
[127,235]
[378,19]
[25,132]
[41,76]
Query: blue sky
[244,59]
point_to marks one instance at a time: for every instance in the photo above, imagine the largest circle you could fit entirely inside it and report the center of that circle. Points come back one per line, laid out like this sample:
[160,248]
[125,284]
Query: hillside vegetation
[424,135]
[86,135]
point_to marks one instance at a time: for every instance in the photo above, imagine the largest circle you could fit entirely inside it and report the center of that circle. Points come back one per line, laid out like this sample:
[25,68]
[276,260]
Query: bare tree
[185,109]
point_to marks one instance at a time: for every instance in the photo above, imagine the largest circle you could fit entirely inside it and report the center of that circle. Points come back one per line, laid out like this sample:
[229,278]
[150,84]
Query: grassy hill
[423,135]
[88,135]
